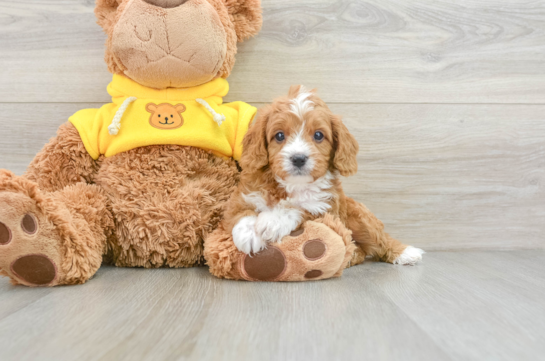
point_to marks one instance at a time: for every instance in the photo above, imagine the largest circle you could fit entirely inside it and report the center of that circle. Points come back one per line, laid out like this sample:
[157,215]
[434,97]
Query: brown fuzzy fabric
[150,207]
[226,261]
[166,200]
[221,254]
[66,149]
[338,227]
[246,17]
[74,223]
[241,19]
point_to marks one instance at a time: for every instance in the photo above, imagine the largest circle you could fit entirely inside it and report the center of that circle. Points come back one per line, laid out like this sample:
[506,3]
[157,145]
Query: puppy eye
[318,136]
[279,137]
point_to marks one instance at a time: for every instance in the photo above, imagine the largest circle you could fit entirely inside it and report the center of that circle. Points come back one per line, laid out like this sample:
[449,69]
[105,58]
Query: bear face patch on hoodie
[139,116]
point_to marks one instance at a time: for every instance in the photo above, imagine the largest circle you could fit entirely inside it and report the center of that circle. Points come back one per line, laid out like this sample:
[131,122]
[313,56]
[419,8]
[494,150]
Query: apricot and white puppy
[293,156]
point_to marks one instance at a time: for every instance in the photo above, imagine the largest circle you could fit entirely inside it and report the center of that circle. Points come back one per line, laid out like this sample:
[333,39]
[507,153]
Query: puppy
[293,156]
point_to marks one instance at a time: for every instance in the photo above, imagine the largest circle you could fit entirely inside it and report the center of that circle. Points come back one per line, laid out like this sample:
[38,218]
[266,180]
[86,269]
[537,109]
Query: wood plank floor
[480,305]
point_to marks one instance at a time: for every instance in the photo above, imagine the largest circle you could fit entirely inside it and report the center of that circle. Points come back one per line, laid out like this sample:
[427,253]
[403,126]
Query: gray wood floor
[479,305]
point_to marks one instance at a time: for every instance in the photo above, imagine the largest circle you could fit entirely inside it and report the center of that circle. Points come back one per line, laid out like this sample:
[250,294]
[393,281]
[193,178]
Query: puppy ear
[295,90]
[246,16]
[254,145]
[345,159]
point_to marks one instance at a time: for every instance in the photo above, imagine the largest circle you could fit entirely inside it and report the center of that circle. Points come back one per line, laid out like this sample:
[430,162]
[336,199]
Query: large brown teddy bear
[143,180]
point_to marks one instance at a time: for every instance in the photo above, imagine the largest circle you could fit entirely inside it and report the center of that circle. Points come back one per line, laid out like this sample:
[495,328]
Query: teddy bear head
[175,43]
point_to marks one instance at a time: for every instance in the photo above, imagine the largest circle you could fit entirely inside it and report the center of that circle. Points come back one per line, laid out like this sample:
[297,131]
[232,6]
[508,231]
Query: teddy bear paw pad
[35,269]
[314,249]
[28,242]
[5,234]
[313,274]
[266,265]
[311,253]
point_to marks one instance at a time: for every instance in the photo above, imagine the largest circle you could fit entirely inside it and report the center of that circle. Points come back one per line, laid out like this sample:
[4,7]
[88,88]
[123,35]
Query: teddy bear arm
[63,161]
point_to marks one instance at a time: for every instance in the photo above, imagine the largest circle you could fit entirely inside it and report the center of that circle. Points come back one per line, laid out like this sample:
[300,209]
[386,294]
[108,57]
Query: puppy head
[300,139]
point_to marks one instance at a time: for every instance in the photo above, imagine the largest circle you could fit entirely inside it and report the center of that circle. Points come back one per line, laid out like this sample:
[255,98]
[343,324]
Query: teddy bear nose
[167,4]
[166,118]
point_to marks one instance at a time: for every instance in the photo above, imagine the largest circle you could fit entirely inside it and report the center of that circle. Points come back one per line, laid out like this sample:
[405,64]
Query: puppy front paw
[245,236]
[410,256]
[277,223]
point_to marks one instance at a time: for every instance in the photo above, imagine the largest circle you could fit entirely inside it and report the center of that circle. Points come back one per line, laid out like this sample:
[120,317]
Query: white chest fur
[313,196]
[273,223]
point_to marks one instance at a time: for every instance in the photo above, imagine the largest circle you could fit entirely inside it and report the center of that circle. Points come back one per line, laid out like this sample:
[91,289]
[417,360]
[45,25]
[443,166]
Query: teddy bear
[143,180]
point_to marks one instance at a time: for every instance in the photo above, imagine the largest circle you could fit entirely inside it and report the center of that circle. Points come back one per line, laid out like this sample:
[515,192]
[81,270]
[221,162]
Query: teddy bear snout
[166,4]
[168,43]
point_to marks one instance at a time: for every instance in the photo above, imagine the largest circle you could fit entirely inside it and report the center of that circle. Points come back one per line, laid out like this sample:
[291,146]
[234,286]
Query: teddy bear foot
[29,245]
[46,238]
[312,253]
[319,250]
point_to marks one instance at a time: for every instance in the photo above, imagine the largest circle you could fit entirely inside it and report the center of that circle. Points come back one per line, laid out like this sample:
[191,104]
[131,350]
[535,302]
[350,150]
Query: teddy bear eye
[318,136]
[171,116]
[279,137]
[159,116]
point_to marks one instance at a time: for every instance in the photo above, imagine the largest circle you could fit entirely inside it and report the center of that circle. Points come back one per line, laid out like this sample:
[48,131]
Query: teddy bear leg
[320,249]
[49,239]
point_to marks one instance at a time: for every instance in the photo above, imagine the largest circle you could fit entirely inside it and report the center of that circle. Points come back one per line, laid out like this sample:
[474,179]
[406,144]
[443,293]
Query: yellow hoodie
[141,116]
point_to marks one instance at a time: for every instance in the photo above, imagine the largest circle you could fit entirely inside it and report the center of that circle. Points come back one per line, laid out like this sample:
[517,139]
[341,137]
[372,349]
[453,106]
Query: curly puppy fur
[270,179]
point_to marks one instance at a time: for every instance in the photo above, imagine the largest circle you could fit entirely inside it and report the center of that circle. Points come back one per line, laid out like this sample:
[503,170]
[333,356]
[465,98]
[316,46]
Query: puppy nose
[299,160]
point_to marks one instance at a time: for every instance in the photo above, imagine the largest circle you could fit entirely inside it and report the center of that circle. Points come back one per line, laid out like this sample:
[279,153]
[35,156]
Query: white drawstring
[113,129]
[218,118]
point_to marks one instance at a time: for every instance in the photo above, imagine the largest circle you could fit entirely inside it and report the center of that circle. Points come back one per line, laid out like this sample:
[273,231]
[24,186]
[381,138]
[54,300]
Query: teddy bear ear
[105,11]
[246,16]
